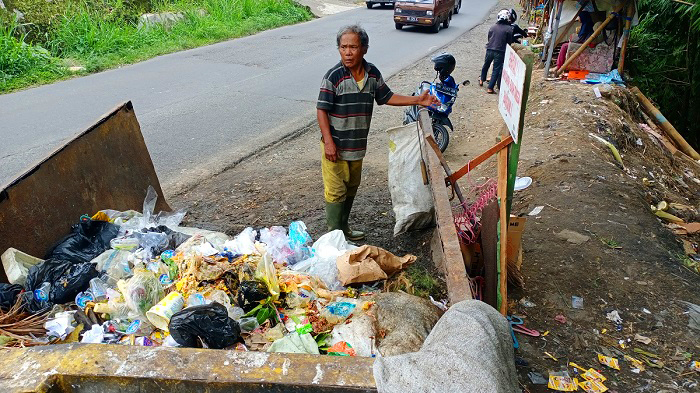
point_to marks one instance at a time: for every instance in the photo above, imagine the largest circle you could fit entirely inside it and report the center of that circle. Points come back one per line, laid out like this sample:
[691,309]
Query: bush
[23,64]
[664,58]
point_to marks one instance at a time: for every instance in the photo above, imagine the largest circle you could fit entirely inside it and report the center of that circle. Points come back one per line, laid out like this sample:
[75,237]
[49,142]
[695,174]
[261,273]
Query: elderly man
[344,111]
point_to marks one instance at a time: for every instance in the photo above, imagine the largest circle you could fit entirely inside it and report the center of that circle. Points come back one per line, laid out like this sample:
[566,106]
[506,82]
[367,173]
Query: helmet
[513,16]
[444,64]
[503,16]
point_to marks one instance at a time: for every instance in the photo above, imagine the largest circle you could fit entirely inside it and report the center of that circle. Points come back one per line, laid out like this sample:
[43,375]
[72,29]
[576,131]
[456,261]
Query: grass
[611,243]
[98,40]
[23,64]
[418,281]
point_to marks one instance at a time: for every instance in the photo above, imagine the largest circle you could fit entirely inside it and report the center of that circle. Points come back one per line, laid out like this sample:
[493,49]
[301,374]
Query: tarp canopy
[571,7]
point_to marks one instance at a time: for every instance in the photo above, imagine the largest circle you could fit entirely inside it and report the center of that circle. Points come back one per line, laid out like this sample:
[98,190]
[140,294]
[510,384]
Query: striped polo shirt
[350,108]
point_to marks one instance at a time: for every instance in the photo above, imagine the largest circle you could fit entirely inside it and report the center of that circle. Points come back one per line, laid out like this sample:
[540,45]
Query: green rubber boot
[345,226]
[334,215]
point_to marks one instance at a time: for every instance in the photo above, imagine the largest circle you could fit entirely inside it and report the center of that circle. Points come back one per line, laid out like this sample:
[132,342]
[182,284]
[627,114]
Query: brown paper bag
[369,263]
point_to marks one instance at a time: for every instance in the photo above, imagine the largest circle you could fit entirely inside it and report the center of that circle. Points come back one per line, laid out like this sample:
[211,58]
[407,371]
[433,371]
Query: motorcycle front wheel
[441,135]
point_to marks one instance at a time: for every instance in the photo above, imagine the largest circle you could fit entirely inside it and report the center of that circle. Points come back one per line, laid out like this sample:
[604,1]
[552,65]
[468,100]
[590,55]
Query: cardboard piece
[369,263]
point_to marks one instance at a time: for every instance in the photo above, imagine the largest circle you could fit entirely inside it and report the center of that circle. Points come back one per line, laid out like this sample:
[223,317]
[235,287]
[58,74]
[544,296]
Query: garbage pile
[141,279]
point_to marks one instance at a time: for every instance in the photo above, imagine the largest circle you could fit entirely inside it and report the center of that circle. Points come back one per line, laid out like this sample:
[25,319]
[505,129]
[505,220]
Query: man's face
[351,51]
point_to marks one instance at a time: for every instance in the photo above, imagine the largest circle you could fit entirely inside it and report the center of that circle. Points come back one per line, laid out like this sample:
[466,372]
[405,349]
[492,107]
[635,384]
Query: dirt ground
[630,263]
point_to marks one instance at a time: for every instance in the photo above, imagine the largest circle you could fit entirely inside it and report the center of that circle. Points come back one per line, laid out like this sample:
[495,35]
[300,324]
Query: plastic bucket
[160,314]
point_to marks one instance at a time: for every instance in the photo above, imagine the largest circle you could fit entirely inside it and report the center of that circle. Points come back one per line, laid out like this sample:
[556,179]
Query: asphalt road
[201,110]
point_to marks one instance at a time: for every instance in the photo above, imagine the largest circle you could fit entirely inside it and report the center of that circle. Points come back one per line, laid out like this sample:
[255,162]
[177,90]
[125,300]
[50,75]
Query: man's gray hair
[355,29]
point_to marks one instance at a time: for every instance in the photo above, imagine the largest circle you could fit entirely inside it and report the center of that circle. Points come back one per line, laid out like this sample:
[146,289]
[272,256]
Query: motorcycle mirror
[466,83]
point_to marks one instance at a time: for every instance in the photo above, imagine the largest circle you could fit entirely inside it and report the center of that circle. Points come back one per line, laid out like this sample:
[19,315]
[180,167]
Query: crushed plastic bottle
[98,289]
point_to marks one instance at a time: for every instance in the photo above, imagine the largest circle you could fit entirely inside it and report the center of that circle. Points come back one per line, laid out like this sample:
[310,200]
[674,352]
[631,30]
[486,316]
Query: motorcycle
[446,91]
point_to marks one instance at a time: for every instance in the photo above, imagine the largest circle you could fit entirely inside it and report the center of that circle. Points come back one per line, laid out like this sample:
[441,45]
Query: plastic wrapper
[8,295]
[93,336]
[267,274]
[113,262]
[609,361]
[248,324]
[250,293]
[299,241]
[339,311]
[295,343]
[561,381]
[87,240]
[243,243]
[341,348]
[221,297]
[323,264]
[142,291]
[209,323]
[65,280]
[61,325]
[359,333]
[277,242]
[217,239]
[147,219]
[124,243]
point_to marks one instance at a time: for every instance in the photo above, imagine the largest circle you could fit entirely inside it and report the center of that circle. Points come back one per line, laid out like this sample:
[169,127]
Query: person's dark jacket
[500,35]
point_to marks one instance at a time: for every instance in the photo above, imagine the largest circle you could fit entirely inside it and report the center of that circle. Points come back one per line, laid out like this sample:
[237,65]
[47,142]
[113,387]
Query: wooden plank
[448,253]
[503,231]
[431,141]
[479,159]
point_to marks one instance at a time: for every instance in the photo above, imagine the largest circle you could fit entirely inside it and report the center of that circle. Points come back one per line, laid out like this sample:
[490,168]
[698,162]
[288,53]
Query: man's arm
[328,144]
[425,99]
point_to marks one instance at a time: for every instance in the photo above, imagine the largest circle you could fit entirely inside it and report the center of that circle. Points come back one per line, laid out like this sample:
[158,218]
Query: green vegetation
[104,34]
[23,64]
[665,61]
[417,281]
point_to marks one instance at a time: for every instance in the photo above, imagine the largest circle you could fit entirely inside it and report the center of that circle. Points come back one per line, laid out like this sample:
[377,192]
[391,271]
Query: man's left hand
[427,99]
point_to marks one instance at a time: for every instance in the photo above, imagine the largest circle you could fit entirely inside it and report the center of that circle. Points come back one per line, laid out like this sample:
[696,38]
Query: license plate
[412,19]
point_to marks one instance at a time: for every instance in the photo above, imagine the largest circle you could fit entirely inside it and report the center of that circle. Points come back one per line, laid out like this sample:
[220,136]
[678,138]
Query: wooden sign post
[512,100]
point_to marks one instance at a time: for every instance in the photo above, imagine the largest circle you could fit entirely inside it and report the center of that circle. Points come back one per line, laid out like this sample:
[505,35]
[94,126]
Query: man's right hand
[331,152]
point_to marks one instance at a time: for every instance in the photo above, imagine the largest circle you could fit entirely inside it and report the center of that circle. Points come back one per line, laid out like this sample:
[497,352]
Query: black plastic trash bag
[87,240]
[209,322]
[155,240]
[250,293]
[65,278]
[8,295]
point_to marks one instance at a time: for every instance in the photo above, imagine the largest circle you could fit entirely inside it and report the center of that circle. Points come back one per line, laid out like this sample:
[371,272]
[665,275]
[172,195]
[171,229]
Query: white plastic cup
[160,314]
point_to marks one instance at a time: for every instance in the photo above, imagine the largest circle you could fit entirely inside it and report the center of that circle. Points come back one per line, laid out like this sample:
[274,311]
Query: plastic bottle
[98,289]
[41,295]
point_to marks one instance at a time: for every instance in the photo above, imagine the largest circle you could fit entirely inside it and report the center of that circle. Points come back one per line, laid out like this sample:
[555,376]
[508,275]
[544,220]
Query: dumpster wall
[101,368]
[106,166]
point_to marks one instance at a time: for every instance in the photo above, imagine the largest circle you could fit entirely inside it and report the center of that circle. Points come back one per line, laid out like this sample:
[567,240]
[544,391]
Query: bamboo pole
[626,37]
[552,44]
[665,125]
[568,27]
[589,40]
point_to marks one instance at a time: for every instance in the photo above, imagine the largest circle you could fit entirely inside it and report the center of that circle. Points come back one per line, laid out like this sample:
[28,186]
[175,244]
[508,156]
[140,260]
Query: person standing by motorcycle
[500,35]
[344,111]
